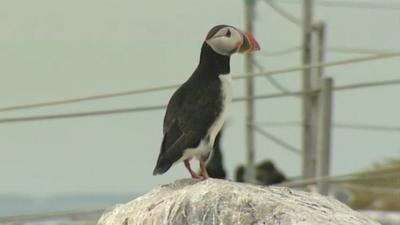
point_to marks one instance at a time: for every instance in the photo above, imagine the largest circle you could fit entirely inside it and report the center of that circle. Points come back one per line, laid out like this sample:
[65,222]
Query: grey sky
[52,50]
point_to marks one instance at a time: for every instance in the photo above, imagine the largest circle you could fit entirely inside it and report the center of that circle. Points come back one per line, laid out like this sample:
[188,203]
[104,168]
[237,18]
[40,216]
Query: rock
[215,201]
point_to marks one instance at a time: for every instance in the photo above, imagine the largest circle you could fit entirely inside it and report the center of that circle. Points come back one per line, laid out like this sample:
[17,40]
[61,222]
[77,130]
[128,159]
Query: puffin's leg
[203,169]
[192,173]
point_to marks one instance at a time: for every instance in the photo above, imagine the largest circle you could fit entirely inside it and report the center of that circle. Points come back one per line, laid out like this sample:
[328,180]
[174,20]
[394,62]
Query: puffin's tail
[162,166]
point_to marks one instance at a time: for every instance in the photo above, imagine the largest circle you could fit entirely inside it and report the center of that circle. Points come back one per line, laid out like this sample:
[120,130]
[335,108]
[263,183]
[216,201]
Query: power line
[367,127]
[316,65]
[277,95]
[338,125]
[284,13]
[353,177]
[280,52]
[88,98]
[352,4]
[357,50]
[337,88]
[280,124]
[276,140]
[158,107]
[121,111]
[271,80]
[367,84]
[81,114]
[286,51]
[373,189]
[237,77]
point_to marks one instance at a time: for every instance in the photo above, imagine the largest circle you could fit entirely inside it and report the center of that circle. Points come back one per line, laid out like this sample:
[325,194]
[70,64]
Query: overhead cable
[81,114]
[316,65]
[284,13]
[357,50]
[339,49]
[367,127]
[270,79]
[367,84]
[372,127]
[387,190]
[88,98]
[280,52]
[237,77]
[158,107]
[340,179]
[276,140]
[352,4]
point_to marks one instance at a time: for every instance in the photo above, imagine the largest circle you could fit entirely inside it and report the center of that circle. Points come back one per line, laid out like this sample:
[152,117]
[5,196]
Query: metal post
[250,142]
[308,155]
[316,76]
[324,134]
[322,152]
[321,36]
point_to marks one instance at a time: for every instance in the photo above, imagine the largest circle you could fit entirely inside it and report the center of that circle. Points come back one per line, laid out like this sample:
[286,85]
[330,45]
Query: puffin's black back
[193,108]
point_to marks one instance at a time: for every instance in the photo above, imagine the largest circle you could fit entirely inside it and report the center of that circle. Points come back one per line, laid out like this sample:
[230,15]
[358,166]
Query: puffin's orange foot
[192,173]
[203,169]
[198,177]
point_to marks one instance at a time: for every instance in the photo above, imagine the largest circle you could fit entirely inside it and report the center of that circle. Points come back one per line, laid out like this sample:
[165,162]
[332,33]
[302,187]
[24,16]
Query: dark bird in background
[196,111]
[266,173]
[215,166]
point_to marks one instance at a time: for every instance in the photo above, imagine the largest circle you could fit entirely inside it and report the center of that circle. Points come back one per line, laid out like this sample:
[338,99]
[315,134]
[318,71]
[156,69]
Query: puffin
[196,111]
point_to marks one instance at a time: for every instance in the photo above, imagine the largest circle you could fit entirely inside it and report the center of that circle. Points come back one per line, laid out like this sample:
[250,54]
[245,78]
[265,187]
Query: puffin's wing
[172,133]
[174,104]
[171,129]
[174,152]
[189,116]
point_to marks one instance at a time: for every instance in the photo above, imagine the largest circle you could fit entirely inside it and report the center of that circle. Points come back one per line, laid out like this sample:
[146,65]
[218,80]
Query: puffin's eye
[228,34]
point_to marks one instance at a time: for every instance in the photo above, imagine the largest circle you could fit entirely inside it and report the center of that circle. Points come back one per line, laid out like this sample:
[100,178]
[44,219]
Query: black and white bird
[196,111]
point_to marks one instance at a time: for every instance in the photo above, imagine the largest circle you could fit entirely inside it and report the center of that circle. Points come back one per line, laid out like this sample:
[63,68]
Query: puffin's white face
[226,40]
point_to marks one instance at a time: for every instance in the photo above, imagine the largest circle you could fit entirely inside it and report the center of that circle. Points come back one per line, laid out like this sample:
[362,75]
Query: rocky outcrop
[216,201]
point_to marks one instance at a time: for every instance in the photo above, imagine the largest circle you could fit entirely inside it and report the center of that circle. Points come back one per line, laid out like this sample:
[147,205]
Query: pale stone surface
[213,201]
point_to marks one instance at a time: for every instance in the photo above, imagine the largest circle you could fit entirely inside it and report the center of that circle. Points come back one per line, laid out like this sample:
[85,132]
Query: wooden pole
[308,156]
[324,134]
[250,141]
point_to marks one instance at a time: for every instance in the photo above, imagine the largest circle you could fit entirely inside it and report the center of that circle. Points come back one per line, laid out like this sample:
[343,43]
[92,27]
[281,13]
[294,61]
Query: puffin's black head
[226,40]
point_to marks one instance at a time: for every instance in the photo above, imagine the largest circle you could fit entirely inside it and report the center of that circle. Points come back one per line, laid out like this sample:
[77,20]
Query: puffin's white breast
[226,92]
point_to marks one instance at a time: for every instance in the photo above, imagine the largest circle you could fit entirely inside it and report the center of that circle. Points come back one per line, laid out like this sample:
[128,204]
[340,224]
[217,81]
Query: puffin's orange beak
[249,43]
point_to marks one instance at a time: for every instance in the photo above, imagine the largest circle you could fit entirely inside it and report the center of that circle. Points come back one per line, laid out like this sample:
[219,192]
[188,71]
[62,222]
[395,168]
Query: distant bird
[196,111]
[266,173]
[215,165]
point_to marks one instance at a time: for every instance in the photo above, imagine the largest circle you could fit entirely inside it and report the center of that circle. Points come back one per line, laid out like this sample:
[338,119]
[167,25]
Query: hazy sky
[53,50]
